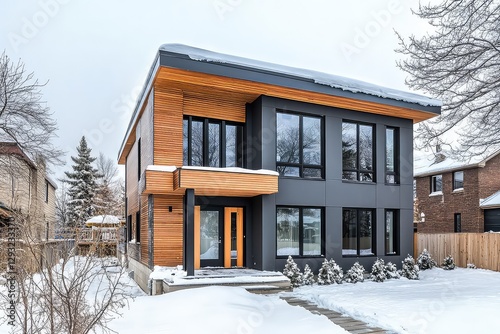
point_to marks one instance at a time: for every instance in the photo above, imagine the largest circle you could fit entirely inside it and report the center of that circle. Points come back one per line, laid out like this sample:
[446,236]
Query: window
[357,152]
[299,142]
[212,143]
[139,159]
[129,228]
[299,231]
[391,232]
[436,183]
[137,226]
[358,236]
[46,191]
[391,155]
[458,222]
[458,180]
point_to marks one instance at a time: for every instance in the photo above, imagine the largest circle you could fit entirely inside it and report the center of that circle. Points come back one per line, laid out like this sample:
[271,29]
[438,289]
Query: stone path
[349,324]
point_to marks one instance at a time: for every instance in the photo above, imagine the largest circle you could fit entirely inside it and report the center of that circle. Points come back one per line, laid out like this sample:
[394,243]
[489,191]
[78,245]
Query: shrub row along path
[349,324]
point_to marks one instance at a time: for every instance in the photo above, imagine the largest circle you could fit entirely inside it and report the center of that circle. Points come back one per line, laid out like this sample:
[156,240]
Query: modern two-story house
[457,196]
[236,162]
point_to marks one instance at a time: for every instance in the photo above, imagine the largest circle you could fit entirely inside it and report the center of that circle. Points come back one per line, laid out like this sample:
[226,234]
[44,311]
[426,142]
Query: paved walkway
[349,324]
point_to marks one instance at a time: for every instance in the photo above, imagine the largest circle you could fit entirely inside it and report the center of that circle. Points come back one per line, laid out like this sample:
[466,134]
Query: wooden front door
[218,237]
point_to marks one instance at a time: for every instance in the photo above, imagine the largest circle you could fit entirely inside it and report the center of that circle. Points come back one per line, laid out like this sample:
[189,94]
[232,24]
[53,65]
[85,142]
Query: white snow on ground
[455,301]
[218,310]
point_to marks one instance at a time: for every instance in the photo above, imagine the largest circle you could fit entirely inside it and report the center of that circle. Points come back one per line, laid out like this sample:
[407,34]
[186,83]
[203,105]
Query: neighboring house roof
[491,202]
[424,164]
[52,182]
[10,148]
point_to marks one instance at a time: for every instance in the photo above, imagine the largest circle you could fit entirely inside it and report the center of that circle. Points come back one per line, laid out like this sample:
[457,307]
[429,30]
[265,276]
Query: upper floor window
[358,154]
[46,191]
[212,143]
[458,180]
[436,183]
[391,155]
[139,159]
[299,145]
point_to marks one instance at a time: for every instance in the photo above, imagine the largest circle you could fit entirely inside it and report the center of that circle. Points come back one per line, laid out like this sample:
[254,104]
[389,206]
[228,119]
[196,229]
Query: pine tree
[391,271]
[448,263]
[355,274]
[82,186]
[379,273]
[425,260]
[337,272]
[325,275]
[308,276]
[292,271]
[409,269]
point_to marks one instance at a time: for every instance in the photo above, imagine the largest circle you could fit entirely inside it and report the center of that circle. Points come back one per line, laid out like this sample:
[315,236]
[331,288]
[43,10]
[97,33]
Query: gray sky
[95,54]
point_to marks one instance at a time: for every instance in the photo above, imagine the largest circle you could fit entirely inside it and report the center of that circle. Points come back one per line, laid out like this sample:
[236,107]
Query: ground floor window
[458,222]
[299,231]
[391,232]
[358,232]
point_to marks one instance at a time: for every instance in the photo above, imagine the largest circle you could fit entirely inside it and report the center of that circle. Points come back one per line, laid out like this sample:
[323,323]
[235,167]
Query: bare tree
[459,63]
[24,117]
[109,190]
[62,198]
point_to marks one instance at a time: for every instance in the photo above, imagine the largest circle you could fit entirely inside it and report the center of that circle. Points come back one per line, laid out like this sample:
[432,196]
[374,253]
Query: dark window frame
[139,159]
[358,236]
[46,191]
[396,235]
[396,162]
[454,183]
[301,165]
[358,170]
[457,223]
[129,228]
[301,231]
[138,227]
[434,183]
[240,141]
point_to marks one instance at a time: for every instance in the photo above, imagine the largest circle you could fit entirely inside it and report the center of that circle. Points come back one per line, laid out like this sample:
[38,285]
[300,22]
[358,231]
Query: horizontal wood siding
[132,183]
[481,249]
[213,183]
[167,127]
[144,231]
[168,230]
[158,182]
[147,144]
[213,106]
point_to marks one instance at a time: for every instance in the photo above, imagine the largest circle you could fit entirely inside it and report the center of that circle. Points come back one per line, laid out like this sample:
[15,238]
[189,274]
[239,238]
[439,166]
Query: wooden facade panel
[167,121]
[214,106]
[144,230]
[214,183]
[168,230]
[159,182]
[132,182]
[146,135]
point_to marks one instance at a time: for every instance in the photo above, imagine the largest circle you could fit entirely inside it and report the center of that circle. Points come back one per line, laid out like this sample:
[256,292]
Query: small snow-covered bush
[337,272]
[325,275]
[307,276]
[409,269]
[355,274]
[448,263]
[425,261]
[292,271]
[471,266]
[391,271]
[378,273]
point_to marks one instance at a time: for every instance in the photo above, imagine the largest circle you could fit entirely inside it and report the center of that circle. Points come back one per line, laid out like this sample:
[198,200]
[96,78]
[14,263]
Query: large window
[391,155]
[212,143]
[391,232]
[299,142]
[299,231]
[436,183]
[358,152]
[358,232]
[458,180]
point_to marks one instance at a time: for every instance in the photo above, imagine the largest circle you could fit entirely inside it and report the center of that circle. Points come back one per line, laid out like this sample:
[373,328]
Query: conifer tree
[409,269]
[355,274]
[307,276]
[379,273]
[325,275]
[337,272]
[82,183]
[292,271]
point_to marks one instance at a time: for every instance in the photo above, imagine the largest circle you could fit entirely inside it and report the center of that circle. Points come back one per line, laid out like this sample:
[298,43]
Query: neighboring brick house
[25,187]
[455,196]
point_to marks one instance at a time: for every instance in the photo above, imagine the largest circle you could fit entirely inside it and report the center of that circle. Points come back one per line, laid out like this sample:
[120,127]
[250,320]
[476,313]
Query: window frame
[138,227]
[139,159]
[301,165]
[434,183]
[358,244]
[454,180]
[46,191]
[240,141]
[129,228]
[301,232]
[457,223]
[396,234]
[358,170]
[396,162]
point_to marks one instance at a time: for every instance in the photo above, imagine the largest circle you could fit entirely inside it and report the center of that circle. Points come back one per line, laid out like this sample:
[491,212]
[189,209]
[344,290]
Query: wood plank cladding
[168,106]
[182,79]
[168,230]
[214,106]
[132,182]
[144,230]
[215,183]
[159,182]
[146,134]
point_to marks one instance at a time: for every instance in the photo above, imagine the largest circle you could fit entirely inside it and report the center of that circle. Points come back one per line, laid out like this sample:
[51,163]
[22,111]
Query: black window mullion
[301,147]
[358,173]
[301,233]
[190,141]
[358,233]
[223,144]
[205,142]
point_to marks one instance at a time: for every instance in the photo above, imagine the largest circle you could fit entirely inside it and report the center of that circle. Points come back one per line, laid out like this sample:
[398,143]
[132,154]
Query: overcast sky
[95,54]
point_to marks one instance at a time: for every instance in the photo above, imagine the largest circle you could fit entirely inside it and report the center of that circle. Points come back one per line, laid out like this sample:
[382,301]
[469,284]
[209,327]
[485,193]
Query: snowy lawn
[218,310]
[454,301]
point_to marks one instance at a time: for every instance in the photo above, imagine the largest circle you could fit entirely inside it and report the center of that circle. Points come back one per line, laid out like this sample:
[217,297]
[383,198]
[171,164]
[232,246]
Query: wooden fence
[481,249]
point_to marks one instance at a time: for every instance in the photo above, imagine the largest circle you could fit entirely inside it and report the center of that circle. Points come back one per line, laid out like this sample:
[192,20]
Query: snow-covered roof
[161,168]
[234,170]
[104,219]
[334,81]
[424,163]
[490,202]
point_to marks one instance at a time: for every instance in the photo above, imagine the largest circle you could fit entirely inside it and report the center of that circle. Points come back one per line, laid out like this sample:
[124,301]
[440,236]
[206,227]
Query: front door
[218,237]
